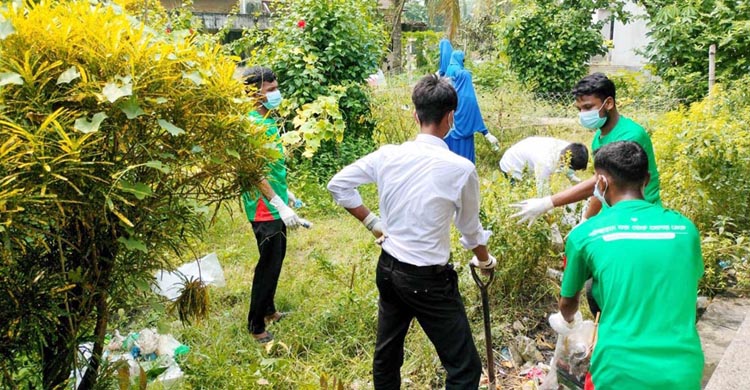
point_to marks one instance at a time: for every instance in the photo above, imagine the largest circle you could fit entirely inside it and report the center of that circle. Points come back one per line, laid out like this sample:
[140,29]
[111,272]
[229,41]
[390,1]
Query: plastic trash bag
[572,358]
[208,269]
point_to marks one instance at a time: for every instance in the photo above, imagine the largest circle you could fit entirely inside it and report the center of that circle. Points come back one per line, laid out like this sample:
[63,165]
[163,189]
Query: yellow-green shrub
[112,138]
[703,155]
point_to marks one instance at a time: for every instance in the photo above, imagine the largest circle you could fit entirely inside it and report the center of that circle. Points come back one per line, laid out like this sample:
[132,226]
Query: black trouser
[271,238]
[431,295]
[593,305]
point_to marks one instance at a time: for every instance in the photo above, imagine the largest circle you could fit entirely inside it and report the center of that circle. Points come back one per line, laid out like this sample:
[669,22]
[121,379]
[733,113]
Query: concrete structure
[627,39]
[734,367]
[214,13]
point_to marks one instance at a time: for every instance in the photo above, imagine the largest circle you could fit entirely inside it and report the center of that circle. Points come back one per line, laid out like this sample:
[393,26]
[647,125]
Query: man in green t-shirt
[266,208]
[645,262]
[595,99]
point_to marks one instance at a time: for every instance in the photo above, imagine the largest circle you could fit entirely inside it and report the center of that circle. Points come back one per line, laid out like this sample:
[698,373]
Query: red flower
[301,23]
[191,31]
[169,30]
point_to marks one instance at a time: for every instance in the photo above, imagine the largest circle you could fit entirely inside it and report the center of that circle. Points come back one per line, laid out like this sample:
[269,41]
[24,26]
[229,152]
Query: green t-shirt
[645,262]
[627,130]
[257,208]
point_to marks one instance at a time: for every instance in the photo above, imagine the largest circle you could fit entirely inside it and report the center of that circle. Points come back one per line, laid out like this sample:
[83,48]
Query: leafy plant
[702,158]
[113,138]
[317,47]
[549,43]
[681,33]
[426,50]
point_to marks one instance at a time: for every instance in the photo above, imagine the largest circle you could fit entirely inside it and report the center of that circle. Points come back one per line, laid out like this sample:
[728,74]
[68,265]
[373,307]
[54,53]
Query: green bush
[318,45]
[113,137]
[702,154]
[681,33]
[549,44]
[426,49]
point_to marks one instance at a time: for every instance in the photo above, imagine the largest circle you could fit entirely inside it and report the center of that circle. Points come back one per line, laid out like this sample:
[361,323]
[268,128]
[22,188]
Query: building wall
[212,6]
[627,40]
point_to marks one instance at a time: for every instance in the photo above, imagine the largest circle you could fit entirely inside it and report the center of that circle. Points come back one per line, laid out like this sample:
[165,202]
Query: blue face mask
[273,100]
[600,194]
[591,119]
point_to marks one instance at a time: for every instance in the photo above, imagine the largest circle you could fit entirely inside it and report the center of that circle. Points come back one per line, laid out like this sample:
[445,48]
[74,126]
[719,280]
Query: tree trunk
[395,57]
[57,357]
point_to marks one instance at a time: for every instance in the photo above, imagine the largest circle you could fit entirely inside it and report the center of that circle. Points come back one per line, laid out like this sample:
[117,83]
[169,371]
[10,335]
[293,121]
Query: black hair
[579,156]
[596,84]
[625,161]
[433,98]
[257,75]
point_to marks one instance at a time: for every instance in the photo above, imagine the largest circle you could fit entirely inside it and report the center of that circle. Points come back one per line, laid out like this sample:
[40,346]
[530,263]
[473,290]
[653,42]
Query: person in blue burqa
[456,64]
[468,119]
[446,49]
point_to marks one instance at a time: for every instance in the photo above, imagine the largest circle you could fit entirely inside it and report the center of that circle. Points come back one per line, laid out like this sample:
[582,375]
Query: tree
[681,33]
[113,138]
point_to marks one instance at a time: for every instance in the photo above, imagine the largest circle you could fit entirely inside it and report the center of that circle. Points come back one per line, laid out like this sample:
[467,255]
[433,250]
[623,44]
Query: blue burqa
[468,118]
[446,49]
[457,63]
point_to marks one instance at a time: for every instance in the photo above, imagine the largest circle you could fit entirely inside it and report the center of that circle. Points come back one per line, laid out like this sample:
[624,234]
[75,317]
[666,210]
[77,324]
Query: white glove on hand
[574,179]
[562,327]
[531,209]
[290,218]
[493,140]
[373,224]
[293,201]
[489,264]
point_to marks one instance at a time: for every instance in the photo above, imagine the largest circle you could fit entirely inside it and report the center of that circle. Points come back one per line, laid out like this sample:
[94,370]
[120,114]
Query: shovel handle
[478,279]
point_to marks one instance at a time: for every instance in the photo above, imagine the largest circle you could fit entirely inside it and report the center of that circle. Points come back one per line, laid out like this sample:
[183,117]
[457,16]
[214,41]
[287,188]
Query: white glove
[290,218]
[562,327]
[489,264]
[531,209]
[574,179]
[492,140]
[373,224]
[293,201]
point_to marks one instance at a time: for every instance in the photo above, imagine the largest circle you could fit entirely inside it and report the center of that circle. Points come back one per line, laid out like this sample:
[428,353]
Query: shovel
[483,286]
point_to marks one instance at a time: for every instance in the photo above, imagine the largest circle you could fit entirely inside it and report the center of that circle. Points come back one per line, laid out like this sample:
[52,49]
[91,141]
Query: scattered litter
[207,269]
[524,350]
[145,352]
[724,264]
[518,326]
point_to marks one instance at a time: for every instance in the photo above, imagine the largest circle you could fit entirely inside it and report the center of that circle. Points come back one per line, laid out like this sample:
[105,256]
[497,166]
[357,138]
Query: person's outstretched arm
[531,209]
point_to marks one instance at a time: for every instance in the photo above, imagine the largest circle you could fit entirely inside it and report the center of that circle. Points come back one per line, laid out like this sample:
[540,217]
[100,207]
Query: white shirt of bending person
[422,186]
[540,154]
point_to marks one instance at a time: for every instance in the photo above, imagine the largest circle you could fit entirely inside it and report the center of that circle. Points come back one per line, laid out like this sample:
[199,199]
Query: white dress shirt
[540,154]
[422,186]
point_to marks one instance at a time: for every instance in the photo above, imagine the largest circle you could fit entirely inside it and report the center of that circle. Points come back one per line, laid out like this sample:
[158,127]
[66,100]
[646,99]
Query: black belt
[388,261]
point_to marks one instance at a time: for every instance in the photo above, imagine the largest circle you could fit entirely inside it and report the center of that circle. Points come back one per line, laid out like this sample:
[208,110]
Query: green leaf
[131,108]
[233,153]
[140,190]
[6,29]
[112,92]
[170,128]
[194,76]
[156,164]
[84,125]
[10,78]
[69,75]
[133,245]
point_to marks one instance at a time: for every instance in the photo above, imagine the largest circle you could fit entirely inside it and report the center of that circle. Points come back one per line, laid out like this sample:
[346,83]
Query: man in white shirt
[422,186]
[544,156]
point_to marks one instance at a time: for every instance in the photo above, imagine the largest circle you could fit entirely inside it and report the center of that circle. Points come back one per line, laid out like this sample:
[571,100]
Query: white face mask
[591,119]
[600,195]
